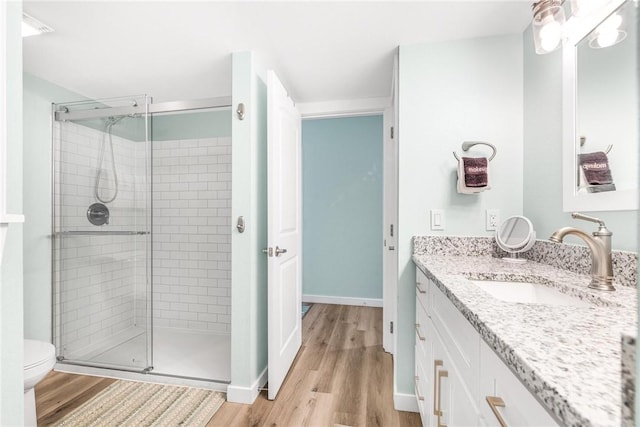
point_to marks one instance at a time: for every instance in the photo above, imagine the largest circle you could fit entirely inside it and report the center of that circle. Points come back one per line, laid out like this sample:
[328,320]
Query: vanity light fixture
[548,19]
[32,27]
[610,32]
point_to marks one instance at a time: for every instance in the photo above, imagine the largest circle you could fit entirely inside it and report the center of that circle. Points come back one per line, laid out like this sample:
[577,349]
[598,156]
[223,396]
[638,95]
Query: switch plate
[492,219]
[437,219]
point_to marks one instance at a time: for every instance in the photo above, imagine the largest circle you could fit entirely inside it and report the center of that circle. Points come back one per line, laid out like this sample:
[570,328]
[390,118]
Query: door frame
[367,107]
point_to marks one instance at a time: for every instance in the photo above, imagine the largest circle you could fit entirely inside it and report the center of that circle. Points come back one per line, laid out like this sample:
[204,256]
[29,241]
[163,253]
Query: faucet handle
[577,215]
[602,228]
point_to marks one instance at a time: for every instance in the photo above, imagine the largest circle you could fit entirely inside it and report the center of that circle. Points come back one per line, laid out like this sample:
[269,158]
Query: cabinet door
[453,401]
[520,407]
[423,351]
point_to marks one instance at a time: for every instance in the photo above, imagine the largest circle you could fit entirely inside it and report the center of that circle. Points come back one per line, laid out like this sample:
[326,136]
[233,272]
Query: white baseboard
[321,299]
[248,395]
[405,402]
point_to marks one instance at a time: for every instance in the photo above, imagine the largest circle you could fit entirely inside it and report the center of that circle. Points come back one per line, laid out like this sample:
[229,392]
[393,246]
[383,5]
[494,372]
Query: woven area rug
[127,403]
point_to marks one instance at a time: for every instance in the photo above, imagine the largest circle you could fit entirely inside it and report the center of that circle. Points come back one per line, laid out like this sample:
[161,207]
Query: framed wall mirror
[600,107]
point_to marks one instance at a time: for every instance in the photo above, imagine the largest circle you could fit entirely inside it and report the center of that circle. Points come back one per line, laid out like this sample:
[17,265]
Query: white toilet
[39,358]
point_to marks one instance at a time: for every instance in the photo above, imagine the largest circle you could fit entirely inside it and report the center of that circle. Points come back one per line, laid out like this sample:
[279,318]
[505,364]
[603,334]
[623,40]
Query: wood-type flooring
[341,377]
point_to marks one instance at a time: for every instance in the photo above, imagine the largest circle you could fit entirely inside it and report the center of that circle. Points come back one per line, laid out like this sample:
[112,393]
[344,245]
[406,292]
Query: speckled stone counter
[628,379]
[569,357]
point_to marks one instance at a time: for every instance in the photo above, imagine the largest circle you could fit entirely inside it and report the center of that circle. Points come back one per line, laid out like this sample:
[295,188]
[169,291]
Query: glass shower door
[102,233]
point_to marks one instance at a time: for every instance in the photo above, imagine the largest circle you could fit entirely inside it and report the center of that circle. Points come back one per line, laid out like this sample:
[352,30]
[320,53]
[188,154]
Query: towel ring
[468,144]
[583,140]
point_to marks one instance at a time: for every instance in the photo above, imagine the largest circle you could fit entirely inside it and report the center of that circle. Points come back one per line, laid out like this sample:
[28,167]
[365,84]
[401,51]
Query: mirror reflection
[607,105]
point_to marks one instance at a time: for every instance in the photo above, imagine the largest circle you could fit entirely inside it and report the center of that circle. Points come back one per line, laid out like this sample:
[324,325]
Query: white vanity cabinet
[456,371]
[442,364]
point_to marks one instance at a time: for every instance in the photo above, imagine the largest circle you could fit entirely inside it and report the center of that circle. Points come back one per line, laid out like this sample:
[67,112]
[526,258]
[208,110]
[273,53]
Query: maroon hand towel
[596,168]
[475,171]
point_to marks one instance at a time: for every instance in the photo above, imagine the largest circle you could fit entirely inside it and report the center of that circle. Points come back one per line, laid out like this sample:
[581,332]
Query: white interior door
[284,232]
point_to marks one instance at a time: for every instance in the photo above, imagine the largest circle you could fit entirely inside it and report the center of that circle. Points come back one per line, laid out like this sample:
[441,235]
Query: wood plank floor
[341,377]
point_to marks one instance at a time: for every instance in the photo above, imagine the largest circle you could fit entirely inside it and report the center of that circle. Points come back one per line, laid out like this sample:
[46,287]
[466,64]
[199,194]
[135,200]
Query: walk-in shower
[142,236]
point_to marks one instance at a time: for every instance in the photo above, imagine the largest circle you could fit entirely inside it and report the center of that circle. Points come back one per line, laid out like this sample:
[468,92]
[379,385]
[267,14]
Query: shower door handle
[280,251]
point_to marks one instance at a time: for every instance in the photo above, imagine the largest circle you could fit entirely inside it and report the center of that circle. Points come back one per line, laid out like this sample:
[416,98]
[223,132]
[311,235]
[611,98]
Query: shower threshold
[185,357]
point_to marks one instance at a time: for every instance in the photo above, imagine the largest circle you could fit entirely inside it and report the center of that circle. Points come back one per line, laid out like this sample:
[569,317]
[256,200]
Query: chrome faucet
[600,246]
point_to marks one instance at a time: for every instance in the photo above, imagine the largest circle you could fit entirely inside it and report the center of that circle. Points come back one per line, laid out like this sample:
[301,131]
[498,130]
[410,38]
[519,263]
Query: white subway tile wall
[192,234]
[101,286]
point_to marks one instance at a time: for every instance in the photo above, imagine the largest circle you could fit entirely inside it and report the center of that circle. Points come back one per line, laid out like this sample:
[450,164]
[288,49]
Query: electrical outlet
[492,219]
[437,219]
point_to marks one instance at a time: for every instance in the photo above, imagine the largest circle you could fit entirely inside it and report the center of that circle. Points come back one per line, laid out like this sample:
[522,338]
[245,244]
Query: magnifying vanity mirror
[600,103]
[515,235]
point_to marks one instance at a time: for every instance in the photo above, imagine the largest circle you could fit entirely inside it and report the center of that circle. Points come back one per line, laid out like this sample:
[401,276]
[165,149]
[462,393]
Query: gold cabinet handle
[419,288]
[436,363]
[495,403]
[422,338]
[441,374]
[416,379]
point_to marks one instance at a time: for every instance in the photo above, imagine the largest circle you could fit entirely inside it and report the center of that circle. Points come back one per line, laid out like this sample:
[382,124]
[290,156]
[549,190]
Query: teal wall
[11,275]
[452,92]
[248,263]
[191,125]
[542,186]
[342,207]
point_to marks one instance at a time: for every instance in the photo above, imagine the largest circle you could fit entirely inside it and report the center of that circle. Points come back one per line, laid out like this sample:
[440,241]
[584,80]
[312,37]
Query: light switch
[437,219]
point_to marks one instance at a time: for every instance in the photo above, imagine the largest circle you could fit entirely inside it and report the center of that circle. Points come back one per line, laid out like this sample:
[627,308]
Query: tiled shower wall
[100,278]
[192,234]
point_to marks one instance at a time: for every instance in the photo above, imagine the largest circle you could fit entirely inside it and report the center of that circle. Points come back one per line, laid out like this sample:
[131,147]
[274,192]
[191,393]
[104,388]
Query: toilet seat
[39,358]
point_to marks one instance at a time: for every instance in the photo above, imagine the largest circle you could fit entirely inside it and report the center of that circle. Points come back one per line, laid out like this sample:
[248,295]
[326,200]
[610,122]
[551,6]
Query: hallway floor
[341,376]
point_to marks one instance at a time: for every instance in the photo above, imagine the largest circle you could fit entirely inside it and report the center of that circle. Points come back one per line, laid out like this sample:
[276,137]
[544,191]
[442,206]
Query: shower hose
[107,134]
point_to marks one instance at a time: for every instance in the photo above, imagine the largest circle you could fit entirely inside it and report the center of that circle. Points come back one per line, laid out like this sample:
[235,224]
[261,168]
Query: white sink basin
[528,293]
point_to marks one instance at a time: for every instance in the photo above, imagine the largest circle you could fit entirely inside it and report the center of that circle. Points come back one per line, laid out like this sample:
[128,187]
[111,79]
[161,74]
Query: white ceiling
[178,50]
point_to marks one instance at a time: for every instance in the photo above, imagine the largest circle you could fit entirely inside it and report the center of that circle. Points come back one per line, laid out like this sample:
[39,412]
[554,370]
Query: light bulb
[550,35]
[607,38]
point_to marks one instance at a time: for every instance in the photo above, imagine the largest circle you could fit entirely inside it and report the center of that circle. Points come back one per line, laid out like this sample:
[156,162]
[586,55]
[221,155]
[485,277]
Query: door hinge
[391,132]
[391,230]
[240,111]
[390,327]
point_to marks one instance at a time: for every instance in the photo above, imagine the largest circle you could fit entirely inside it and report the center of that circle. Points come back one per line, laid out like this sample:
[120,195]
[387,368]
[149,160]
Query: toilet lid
[37,352]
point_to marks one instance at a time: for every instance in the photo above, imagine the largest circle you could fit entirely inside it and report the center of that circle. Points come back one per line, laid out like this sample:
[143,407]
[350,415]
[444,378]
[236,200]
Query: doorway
[342,183]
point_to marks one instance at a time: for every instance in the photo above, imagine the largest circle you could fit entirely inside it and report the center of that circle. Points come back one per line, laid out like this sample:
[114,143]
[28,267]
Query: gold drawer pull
[418,332]
[419,288]
[495,403]
[436,363]
[415,380]
[441,374]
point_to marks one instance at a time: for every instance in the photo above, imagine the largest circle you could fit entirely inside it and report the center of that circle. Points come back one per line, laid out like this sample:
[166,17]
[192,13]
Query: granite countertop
[568,357]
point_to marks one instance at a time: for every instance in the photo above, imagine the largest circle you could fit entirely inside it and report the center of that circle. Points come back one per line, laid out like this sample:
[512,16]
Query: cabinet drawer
[422,288]
[422,332]
[459,337]
[521,408]
[421,388]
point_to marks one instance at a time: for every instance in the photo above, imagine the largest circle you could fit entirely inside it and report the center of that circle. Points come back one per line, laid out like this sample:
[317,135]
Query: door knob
[280,251]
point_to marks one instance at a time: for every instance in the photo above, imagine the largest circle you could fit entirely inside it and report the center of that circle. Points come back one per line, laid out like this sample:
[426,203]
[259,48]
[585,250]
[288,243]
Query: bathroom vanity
[488,357]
